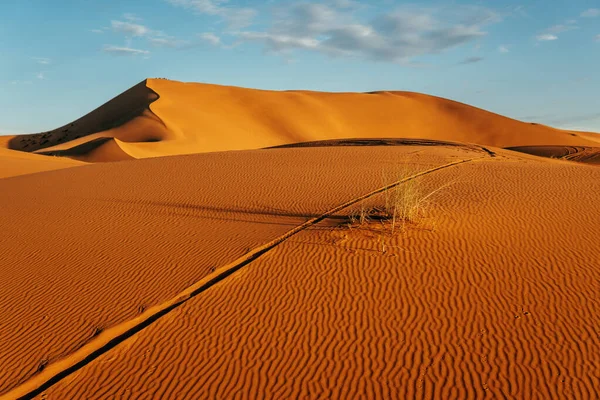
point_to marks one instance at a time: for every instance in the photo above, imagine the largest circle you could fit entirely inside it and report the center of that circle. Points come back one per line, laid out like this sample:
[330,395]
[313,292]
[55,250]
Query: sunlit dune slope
[87,248]
[162,117]
[13,163]
[594,137]
[493,293]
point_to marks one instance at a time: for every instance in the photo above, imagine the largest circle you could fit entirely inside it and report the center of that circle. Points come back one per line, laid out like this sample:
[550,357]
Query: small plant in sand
[398,205]
[362,215]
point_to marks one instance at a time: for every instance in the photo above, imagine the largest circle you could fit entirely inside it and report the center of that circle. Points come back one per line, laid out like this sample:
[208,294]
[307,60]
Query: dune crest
[160,117]
[126,118]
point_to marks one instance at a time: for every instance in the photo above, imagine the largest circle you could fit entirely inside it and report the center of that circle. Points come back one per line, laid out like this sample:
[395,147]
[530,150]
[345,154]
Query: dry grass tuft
[401,205]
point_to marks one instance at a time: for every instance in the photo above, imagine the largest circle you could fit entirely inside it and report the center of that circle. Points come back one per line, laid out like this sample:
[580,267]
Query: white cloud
[345,3]
[210,38]
[42,60]
[40,76]
[162,40]
[553,32]
[130,28]
[569,26]
[393,37]
[520,11]
[546,37]
[503,49]
[124,51]
[591,13]
[131,17]
[236,17]
[99,31]
[281,42]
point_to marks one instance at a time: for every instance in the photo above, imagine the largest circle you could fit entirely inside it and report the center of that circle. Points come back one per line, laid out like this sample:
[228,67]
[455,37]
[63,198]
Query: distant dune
[160,117]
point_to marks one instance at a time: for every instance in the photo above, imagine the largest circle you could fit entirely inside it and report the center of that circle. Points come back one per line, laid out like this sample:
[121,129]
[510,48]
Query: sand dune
[127,117]
[14,163]
[234,271]
[98,150]
[590,155]
[493,294]
[161,117]
[93,247]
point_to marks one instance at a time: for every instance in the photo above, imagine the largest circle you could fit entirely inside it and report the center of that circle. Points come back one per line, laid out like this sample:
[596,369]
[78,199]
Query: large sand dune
[162,117]
[495,291]
[92,247]
[150,272]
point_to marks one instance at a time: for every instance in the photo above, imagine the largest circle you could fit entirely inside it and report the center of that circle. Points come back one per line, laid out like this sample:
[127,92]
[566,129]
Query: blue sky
[535,60]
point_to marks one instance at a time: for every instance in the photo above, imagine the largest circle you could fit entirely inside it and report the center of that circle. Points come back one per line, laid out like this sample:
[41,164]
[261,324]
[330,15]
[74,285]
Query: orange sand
[235,273]
[161,117]
[122,237]
[13,163]
[590,155]
[493,293]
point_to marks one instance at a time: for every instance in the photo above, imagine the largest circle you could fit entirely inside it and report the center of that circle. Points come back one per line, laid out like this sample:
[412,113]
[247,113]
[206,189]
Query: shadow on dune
[122,109]
[205,211]
[88,149]
[582,154]
[383,142]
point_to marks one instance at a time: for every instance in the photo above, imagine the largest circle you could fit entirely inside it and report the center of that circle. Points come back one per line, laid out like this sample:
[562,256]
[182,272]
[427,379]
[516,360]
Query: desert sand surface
[177,277]
[202,241]
[590,155]
[117,238]
[13,163]
[162,117]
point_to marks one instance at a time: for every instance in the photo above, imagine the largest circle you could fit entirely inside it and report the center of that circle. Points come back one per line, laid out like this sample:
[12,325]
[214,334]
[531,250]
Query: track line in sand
[115,335]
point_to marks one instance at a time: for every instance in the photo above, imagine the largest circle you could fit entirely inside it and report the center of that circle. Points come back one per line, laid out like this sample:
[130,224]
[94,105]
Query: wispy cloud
[42,60]
[124,51]
[130,28]
[546,37]
[503,49]
[519,10]
[569,26]
[161,40]
[394,37]
[131,17]
[98,31]
[40,76]
[591,13]
[235,17]
[210,38]
[471,60]
[552,32]
[597,38]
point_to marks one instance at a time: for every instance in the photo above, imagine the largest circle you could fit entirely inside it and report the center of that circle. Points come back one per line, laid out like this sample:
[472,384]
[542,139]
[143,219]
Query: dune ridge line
[115,335]
[159,117]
